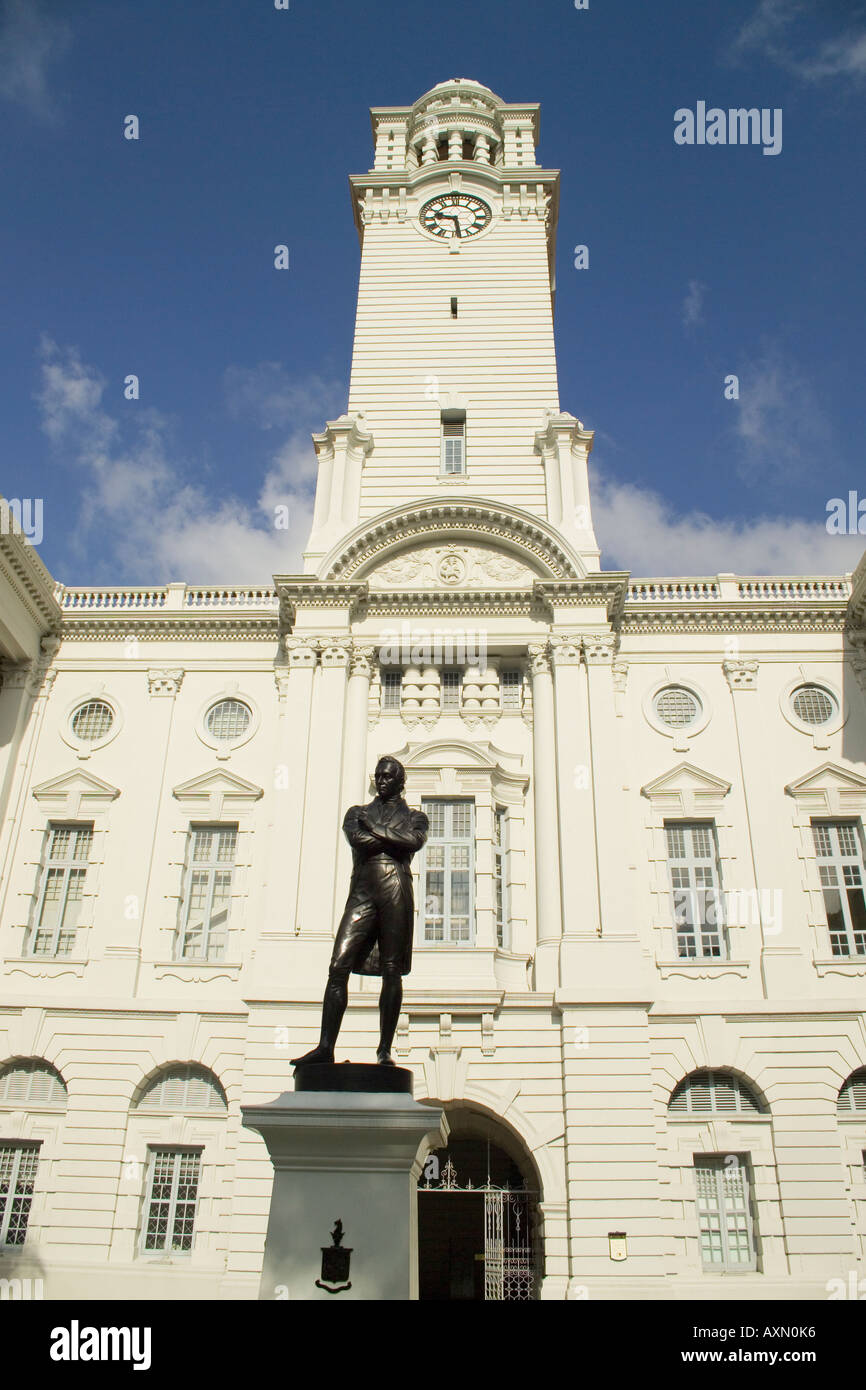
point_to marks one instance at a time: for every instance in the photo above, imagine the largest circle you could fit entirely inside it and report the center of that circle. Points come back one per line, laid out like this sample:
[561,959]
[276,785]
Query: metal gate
[509,1262]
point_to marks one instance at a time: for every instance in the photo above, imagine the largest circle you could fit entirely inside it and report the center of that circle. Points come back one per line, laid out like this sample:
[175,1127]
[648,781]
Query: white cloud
[772,31]
[842,57]
[778,426]
[33,36]
[641,531]
[693,304]
[153,522]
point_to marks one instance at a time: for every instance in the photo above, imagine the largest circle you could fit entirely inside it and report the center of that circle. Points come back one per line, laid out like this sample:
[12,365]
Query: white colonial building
[640,963]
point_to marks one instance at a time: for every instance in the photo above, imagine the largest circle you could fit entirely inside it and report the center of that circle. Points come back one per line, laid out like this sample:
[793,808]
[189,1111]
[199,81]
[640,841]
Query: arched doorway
[478,1225]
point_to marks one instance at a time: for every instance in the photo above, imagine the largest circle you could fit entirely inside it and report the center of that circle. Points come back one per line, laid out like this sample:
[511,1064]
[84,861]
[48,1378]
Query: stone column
[608,775]
[324,816]
[295,694]
[25,691]
[548,897]
[353,786]
[580,916]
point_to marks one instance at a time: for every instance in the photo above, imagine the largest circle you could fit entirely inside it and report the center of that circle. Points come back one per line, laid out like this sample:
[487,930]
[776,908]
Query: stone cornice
[440,601]
[728,602]
[191,612]
[720,604]
[593,591]
[308,592]
[720,618]
[26,575]
[857,605]
[168,627]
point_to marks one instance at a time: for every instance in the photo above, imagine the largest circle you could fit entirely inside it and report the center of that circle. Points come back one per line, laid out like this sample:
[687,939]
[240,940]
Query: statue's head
[390,778]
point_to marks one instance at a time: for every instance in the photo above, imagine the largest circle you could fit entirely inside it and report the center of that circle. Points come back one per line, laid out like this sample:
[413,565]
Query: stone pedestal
[349,1155]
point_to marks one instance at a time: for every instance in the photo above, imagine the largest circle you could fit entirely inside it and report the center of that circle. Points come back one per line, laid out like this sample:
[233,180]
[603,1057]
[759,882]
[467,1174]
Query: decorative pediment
[217,793]
[75,794]
[478,531]
[452,566]
[451,767]
[686,791]
[830,790]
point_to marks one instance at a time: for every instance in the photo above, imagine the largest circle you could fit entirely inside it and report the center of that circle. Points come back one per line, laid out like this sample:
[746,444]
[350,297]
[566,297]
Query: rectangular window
[500,874]
[453,446]
[61,889]
[448,873]
[392,689]
[724,1216]
[839,851]
[207,891]
[693,865]
[510,689]
[18,1164]
[449,689]
[170,1202]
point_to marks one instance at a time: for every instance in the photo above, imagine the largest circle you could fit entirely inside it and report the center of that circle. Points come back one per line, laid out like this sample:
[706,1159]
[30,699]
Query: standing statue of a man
[375,932]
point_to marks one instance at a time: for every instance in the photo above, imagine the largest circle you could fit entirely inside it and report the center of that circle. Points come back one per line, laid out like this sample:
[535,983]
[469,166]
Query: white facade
[566,1007]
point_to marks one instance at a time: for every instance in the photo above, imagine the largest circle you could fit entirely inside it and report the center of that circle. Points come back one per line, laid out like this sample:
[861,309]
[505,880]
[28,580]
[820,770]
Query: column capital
[599,648]
[302,651]
[32,676]
[165,682]
[336,652]
[858,658]
[362,660]
[565,650]
[539,658]
[741,675]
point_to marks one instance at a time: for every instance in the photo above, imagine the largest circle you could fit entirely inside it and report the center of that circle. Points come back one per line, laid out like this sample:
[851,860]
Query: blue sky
[155,257]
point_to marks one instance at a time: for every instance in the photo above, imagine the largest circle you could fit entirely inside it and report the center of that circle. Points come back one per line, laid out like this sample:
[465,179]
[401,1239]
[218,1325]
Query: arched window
[183,1088]
[31,1084]
[852,1097]
[713,1093]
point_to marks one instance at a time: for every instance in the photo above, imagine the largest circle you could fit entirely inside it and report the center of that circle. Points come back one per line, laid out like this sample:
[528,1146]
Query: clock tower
[453,395]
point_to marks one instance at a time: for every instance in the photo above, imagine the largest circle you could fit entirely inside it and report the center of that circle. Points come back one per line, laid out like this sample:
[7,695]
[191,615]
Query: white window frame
[225,748]
[448,842]
[67,867]
[820,734]
[682,736]
[451,688]
[726,1209]
[516,704]
[212,866]
[178,1151]
[838,862]
[389,688]
[701,899]
[746,1101]
[84,747]
[446,470]
[19,1147]
[500,877]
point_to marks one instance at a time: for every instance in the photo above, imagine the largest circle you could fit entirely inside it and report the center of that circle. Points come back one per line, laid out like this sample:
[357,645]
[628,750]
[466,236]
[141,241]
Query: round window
[677,707]
[227,720]
[813,705]
[92,721]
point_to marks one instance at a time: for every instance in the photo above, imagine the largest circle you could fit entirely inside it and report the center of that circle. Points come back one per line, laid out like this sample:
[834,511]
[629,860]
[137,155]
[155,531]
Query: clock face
[454,215]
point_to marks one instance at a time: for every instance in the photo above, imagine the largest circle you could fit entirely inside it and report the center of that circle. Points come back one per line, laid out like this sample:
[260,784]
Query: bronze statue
[375,932]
